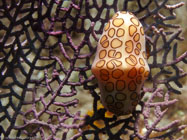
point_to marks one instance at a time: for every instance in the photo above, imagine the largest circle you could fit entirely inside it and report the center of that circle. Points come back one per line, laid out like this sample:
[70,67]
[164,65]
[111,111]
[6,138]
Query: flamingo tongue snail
[120,64]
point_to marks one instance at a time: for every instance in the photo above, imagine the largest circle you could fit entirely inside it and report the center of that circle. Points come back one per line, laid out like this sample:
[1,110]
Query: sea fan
[47,90]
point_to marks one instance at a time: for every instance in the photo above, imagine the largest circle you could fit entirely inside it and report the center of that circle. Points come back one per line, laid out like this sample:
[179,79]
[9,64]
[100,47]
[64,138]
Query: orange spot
[133,96]
[117,63]
[110,65]
[116,43]
[138,45]
[139,79]
[113,54]
[120,96]
[132,30]
[117,73]
[132,86]
[107,26]
[142,31]
[100,106]
[120,32]
[141,70]
[137,52]
[120,85]
[103,38]
[135,21]
[136,37]
[118,22]
[104,74]
[100,63]
[123,12]
[111,32]
[118,55]
[99,123]
[108,114]
[102,54]
[129,47]
[104,77]
[131,13]
[109,86]
[90,113]
[105,44]
[109,99]
[141,61]
[131,60]
[132,73]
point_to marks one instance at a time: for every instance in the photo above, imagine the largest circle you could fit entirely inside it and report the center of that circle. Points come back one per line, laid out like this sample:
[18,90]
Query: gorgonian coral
[46,53]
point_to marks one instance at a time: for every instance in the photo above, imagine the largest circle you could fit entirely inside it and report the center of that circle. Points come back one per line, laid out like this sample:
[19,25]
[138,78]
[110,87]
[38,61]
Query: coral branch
[47,87]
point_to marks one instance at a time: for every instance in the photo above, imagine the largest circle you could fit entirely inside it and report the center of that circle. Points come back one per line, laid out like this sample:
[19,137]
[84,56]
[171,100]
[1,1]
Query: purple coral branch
[177,60]
[158,114]
[93,32]
[63,51]
[27,46]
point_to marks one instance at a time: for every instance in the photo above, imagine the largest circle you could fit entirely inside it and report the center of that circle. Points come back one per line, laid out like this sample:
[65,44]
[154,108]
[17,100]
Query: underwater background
[47,89]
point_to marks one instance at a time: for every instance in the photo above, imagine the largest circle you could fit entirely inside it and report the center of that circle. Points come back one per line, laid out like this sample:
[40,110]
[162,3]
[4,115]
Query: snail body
[120,64]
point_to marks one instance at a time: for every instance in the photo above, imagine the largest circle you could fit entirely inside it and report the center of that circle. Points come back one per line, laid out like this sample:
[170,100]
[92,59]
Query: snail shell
[120,64]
